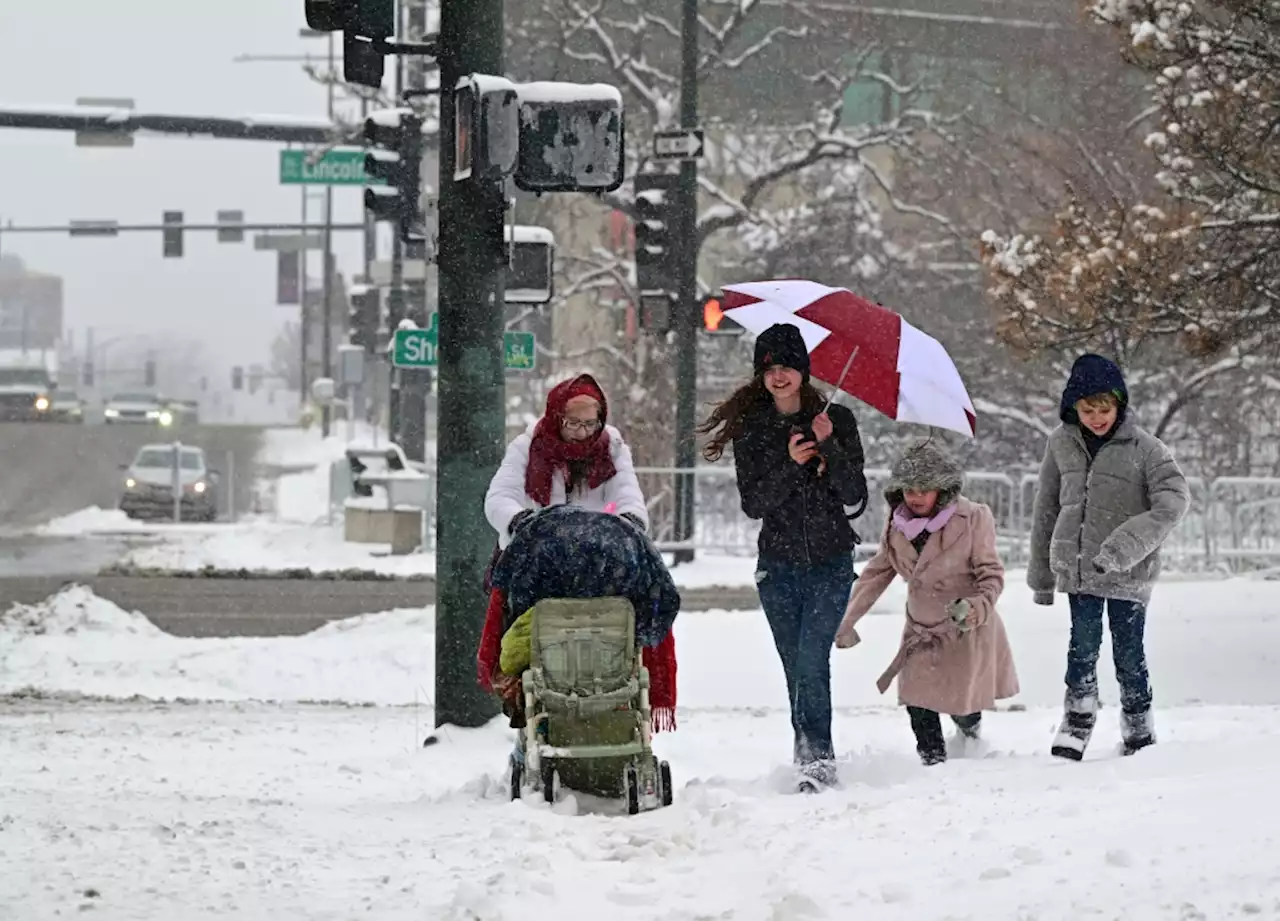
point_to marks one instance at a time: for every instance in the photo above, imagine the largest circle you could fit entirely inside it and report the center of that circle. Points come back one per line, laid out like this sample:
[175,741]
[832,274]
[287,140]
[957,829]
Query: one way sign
[678,145]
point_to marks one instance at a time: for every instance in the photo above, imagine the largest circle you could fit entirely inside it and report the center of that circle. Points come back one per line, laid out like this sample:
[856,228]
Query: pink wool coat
[937,666]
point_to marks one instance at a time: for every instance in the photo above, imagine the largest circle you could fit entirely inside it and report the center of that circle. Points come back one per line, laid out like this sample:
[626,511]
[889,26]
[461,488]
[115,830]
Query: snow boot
[1076,728]
[816,776]
[968,741]
[1137,731]
[930,744]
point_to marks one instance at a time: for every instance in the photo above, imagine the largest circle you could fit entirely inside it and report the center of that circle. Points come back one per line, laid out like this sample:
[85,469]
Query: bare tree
[773,81]
[1179,282]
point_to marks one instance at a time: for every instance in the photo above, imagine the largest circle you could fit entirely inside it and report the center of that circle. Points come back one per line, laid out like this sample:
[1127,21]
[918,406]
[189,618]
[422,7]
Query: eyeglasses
[582,425]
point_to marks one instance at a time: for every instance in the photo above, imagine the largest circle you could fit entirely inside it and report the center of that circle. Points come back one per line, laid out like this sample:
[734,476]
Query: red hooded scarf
[549,452]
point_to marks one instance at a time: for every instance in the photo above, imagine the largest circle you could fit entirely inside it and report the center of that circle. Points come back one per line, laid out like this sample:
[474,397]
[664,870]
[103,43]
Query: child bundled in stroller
[578,644]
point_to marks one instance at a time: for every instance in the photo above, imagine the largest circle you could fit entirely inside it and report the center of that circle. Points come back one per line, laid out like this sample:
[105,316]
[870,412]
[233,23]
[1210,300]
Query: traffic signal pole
[470,423]
[415,382]
[688,320]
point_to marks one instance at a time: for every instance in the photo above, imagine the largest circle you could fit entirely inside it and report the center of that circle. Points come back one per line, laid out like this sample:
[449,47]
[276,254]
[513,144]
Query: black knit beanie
[782,344]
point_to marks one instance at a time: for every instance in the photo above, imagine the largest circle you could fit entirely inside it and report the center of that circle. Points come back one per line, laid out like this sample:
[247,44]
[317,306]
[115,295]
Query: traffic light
[149,373]
[571,138]
[237,378]
[654,210]
[714,319]
[172,234]
[396,158]
[364,317]
[363,23]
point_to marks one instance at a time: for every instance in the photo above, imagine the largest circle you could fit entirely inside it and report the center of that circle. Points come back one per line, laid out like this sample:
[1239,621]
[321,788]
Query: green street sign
[336,167]
[417,348]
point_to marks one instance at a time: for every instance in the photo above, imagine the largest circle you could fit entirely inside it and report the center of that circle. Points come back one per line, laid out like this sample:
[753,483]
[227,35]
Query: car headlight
[42,403]
[166,417]
[200,487]
[111,413]
[130,483]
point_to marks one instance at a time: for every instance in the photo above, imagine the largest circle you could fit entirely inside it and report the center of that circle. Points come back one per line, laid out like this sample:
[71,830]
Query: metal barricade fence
[1233,524]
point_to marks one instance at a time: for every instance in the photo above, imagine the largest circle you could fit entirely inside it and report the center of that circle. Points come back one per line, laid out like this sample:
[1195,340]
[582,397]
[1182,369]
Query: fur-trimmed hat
[924,466]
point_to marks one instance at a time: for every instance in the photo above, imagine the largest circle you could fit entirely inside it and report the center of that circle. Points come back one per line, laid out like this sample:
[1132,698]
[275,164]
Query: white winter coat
[506,497]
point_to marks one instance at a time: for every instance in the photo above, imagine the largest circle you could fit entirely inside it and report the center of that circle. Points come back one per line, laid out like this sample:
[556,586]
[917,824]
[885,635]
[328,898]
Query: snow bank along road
[132,808]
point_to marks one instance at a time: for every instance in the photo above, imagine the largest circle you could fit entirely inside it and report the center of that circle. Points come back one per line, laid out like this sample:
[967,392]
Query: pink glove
[611,508]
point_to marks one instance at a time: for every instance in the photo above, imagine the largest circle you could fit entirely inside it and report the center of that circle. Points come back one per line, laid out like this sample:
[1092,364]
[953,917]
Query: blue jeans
[1127,620]
[804,605]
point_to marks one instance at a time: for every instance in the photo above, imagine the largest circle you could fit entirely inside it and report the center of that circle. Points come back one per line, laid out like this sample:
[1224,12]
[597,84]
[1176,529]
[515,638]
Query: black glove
[635,520]
[519,520]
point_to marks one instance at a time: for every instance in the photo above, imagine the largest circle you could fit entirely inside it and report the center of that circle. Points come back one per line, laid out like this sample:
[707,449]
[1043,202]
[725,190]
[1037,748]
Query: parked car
[149,484]
[137,409]
[66,406]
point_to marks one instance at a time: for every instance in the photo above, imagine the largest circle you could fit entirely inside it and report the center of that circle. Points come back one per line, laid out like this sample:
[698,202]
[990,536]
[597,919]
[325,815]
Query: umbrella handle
[843,374]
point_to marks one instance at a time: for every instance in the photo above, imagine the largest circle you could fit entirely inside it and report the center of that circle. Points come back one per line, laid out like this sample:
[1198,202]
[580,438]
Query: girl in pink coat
[954,657]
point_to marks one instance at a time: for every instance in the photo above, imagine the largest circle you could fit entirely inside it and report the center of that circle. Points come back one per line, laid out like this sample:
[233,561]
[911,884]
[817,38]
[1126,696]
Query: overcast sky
[169,57]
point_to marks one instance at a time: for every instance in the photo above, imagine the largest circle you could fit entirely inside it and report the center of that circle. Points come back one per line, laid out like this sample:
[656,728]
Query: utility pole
[471,376]
[687,323]
[414,382]
[395,294]
[304,318]
[326,308]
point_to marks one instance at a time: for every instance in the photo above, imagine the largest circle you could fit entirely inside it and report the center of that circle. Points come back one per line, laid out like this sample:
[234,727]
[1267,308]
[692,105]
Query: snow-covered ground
[139,809]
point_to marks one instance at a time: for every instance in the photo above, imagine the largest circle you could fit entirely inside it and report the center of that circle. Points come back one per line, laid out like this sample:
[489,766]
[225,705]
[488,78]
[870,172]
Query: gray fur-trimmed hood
[924,466]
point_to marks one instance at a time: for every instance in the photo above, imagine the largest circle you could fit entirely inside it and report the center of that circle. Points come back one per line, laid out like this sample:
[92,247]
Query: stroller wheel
[549,781]
[517,778]
[632,779]
[664,773]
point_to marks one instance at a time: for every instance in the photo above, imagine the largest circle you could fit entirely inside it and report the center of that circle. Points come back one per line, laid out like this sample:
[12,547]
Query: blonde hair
[1104,400]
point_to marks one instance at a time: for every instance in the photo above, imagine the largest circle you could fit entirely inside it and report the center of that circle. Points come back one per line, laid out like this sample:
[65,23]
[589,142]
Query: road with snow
[276,607]
[49,470]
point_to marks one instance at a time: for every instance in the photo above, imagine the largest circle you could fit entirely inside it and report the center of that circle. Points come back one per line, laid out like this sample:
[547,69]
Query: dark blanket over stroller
[570,552]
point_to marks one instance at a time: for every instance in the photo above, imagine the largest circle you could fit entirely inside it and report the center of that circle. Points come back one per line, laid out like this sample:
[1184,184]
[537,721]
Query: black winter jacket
[804,517]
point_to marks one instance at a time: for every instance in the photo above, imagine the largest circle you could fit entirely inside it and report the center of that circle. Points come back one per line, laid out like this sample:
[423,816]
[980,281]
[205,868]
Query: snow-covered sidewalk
[251,810]
[256,812]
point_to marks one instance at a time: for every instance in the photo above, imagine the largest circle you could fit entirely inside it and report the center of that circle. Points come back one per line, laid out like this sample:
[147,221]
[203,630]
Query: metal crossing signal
[396,158]
[714,319]
[364,317]
[572,138]
[655,200]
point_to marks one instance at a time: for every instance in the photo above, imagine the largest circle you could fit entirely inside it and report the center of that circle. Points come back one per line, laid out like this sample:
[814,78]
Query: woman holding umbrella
[799,465]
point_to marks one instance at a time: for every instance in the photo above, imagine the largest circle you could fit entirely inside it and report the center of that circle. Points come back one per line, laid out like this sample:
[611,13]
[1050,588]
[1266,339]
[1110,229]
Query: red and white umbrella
[895,368]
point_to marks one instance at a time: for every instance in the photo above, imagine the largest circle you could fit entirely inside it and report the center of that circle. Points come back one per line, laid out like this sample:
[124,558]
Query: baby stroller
[587,712]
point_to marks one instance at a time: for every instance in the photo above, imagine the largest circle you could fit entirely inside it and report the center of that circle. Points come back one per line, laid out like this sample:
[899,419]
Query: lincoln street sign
[418,348]
[335,167]
[678,145]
